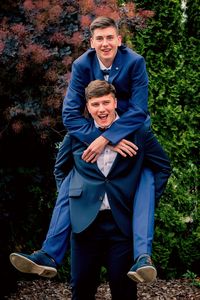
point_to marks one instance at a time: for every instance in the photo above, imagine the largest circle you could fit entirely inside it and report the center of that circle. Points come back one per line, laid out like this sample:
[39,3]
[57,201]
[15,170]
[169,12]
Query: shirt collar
[102,67]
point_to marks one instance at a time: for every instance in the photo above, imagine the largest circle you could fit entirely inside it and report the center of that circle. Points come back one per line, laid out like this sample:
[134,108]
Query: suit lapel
[116,67]
[96,69]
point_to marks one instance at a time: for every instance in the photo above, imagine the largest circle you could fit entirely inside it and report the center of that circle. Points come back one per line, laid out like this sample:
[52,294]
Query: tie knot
[106,72]
[102,129]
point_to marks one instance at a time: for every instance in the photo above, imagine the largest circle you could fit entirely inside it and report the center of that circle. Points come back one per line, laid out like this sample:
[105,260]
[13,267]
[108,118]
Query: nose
[101,108]
[105,42]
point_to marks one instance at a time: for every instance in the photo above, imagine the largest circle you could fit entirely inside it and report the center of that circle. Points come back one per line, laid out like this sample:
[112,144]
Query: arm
[124,148]
[74,104]
[133,106]
[157,160]
[64,162]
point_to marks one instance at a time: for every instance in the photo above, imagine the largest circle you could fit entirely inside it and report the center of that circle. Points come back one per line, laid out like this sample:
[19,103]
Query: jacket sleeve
[74,104]
[137,109]
[158,161]
[133,117]
[64,161]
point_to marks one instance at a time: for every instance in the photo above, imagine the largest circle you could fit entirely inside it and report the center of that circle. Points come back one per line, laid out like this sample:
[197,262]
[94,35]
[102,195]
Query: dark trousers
[101,244]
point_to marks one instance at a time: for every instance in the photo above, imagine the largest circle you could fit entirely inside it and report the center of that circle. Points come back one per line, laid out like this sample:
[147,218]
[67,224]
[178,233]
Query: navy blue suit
[86,192]
[128,75]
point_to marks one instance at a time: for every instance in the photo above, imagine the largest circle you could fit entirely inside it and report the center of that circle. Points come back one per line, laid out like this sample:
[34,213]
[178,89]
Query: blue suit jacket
[88,185]
[128,75]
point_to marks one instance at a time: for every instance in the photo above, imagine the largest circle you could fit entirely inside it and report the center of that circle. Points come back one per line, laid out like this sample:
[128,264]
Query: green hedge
[170,46]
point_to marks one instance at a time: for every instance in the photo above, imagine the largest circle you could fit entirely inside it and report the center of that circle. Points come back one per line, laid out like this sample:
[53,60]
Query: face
[106,42]
[102,109]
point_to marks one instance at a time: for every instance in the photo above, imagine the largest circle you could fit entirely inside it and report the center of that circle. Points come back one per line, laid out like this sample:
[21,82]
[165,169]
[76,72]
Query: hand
[125,147]
[93,151]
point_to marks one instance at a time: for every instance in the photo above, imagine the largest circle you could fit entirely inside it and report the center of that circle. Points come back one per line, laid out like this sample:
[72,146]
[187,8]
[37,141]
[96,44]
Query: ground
[43,289]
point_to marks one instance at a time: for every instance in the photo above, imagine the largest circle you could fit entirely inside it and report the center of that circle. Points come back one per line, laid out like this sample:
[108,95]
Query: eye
[110,37]
[99,38]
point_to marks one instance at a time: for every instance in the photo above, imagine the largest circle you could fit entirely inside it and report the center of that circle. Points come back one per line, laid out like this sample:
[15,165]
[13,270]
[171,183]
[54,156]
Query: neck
[106,64]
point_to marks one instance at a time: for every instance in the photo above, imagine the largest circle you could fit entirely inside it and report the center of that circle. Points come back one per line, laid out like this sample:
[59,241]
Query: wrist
[104,140]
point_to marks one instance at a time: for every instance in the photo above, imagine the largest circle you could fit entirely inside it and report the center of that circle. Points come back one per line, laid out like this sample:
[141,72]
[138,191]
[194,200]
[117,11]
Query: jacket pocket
[75,192]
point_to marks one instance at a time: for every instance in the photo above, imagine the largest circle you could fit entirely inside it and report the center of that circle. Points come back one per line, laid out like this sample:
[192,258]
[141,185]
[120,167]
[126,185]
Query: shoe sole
[143,274]
[26,265]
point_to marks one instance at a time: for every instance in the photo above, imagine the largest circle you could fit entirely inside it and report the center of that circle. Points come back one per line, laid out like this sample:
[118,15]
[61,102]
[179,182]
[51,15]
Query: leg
[143,214]
[57,239]
[143,229]
[44,262]
[120,258]
[86,253]
[102,243]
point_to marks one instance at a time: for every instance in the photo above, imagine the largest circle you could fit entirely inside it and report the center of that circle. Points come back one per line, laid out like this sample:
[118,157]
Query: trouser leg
[143,214]
[120,258]
[58,236]
[104,243]
[86,253]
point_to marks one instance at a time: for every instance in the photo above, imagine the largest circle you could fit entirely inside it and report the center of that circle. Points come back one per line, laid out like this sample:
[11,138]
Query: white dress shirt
[102,67]
[104,163]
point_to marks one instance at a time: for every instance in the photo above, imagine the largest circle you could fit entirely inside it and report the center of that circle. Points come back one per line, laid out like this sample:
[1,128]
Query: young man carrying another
[101,200]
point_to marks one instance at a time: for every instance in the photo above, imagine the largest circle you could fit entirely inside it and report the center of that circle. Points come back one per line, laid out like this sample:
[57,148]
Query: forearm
[122,128]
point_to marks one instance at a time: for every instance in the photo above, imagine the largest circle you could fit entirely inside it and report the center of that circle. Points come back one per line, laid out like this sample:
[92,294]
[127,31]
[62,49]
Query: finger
[92,157]
[130,151]
[132,145]
[118,150]
[85,154]
[127,149]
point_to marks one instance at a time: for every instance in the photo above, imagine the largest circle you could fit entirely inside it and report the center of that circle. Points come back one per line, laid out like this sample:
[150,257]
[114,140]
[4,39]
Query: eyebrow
[109,35]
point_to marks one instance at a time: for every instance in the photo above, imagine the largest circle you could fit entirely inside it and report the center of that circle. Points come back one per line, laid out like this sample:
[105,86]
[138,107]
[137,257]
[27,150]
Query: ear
[87,107]
[119,40]
[86,112]
[115,103]
[91,43]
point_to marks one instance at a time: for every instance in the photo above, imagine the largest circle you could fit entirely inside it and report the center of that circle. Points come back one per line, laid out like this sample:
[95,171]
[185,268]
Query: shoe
[143,270]
[38,262]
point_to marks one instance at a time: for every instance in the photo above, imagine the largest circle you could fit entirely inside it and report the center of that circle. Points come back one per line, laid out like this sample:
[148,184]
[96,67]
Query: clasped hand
[124,148]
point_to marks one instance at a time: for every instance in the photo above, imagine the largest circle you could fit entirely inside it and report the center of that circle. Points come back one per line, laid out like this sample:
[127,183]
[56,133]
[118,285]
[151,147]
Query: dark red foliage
[38,42]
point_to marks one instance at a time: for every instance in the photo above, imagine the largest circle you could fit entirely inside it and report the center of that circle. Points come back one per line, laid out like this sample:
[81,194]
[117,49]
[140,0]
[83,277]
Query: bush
[169,45]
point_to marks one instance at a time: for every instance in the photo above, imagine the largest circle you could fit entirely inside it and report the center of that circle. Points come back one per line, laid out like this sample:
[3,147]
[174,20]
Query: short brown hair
[102,22]
[99,88]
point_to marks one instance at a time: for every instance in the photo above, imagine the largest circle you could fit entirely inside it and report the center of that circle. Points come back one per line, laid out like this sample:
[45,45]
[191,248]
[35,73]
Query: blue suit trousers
[58,236]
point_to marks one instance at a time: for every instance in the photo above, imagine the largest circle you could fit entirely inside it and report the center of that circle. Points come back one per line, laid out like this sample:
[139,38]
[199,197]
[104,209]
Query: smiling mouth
[103,117]
[106,50]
